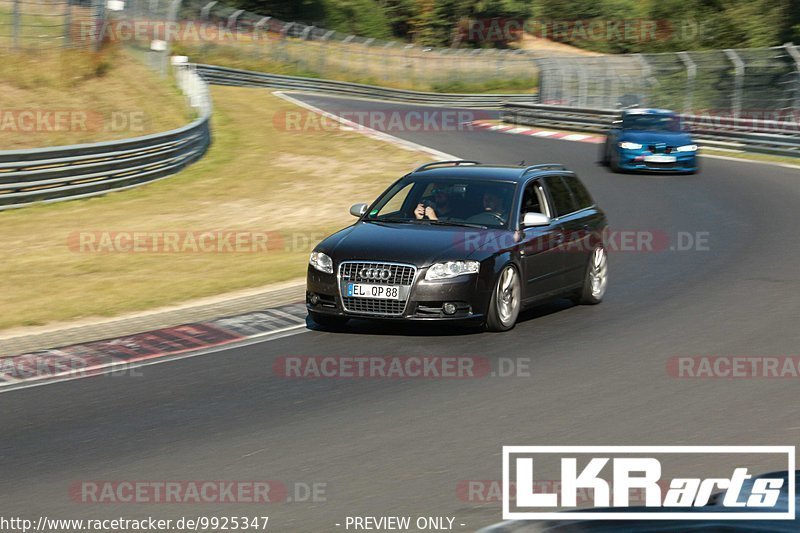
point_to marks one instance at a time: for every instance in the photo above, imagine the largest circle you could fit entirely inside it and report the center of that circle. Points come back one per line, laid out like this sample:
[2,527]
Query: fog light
[314,299]
[449,308]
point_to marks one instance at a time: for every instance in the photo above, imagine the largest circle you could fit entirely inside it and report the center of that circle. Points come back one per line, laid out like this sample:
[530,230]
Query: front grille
[398,274]
[374,306]
[402,275]
[660,148]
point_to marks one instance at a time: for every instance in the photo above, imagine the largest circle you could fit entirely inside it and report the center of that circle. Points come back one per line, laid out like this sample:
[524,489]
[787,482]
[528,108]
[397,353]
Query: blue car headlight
[687,148]
[627,145]
[321,262]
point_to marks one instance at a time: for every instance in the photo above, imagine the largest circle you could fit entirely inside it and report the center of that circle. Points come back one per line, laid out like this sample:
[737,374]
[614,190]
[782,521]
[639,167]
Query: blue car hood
[671,138]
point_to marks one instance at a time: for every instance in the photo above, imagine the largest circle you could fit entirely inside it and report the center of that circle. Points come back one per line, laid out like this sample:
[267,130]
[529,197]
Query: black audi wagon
[466,242]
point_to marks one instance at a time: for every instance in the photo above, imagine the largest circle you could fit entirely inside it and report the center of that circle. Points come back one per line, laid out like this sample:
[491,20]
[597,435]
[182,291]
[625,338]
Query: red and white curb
[151,347]
[550,134]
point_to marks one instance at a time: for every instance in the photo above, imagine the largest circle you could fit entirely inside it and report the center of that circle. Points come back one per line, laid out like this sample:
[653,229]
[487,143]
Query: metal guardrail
[246,78]
[83,170]
[761,136]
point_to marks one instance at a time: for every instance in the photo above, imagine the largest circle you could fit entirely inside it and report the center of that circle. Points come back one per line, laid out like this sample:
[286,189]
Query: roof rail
[545,166]
[454,163]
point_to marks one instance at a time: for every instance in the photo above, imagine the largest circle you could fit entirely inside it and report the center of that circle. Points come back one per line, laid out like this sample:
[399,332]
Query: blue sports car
[650,140]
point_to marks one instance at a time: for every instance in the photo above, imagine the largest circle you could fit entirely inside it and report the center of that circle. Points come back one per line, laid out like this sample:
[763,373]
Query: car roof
[486,172]
[647,111]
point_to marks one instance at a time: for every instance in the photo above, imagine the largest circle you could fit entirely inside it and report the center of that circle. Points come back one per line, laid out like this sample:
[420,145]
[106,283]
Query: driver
[493,204]
[441,206]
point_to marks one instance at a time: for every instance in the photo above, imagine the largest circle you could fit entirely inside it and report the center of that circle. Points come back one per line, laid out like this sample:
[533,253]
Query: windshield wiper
[454,223]
[393,220]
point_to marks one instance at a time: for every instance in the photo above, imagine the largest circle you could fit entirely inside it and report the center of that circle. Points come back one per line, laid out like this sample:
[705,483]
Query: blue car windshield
[652,122]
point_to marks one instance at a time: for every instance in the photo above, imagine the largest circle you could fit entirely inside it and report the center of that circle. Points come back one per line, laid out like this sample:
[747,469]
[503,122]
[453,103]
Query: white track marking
[408,145]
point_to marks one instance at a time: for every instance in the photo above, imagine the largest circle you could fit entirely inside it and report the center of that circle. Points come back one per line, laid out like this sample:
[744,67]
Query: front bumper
[636,160]
[425,301]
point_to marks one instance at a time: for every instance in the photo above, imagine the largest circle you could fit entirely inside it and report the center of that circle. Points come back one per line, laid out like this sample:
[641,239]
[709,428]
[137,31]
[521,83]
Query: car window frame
[542,193]
[572,192]
[552,202]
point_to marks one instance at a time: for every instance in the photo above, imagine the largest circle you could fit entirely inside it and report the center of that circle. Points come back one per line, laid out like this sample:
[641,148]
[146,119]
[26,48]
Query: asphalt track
[386,447]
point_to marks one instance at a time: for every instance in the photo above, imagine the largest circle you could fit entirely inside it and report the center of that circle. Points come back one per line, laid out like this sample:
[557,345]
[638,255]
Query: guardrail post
[738,66]
[67,24]
[205,12]
[233,18]
[99,9]
[691,74]
[385,70]
[647,74]
[16,24]
[263,21]
[542,64]
[795,53]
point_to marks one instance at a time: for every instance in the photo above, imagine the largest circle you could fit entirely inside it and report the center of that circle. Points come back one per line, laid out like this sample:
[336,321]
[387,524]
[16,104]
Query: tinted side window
[579,192]
[530,200]
[562,198]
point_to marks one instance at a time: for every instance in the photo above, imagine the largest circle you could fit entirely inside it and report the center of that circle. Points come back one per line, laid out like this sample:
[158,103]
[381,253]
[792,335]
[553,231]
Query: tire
[613,163]
[506,300]
[328,321]
[595,281]
[604,159]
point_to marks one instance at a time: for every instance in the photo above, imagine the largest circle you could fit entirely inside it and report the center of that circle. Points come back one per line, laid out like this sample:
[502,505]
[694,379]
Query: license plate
[366,290]
[660,159]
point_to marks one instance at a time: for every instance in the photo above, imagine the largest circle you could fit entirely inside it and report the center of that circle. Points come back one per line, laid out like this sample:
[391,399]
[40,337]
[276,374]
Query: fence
[80,171]
[328,53]
[34,25]
[743,83]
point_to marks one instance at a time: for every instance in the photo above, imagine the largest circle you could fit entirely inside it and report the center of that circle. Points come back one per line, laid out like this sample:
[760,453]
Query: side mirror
[535,219]
[357,210]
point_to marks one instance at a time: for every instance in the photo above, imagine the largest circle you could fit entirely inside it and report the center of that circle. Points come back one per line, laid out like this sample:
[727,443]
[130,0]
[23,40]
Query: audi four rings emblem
[375,273]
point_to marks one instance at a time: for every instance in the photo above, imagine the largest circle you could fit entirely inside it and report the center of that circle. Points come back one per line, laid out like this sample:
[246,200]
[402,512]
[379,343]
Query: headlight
[321,262]
[625,145]
[687,148]
[451,269]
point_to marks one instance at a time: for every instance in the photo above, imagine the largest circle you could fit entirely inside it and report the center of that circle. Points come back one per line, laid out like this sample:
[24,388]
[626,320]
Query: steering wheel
[487,218]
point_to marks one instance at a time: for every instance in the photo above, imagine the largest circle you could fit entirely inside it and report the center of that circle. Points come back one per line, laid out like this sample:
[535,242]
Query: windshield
[652,122]
[446,202]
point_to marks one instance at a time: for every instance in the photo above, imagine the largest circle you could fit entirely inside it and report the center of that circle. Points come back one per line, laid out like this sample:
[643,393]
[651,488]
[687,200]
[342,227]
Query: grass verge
[255,178]
[64,96]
